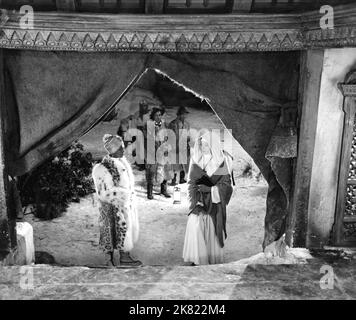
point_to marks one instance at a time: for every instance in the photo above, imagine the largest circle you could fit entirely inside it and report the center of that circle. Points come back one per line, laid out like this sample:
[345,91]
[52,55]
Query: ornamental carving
[207,42]
[178,33]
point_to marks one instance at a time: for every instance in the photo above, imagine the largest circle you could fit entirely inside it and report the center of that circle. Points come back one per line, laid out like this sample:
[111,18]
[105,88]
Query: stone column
[322,119]
[309,86]
[5,238]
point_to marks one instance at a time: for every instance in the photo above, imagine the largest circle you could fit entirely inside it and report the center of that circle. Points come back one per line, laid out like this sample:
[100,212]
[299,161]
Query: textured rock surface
[230,281]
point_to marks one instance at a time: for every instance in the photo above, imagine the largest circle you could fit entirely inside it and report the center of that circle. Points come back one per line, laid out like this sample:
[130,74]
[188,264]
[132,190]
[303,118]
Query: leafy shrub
[57,182]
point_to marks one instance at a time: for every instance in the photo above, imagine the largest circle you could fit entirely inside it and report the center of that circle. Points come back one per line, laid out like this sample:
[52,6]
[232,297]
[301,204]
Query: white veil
[217,155]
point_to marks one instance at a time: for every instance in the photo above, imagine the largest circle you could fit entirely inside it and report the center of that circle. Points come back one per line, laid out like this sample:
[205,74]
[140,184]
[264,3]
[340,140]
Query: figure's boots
[150,191]
[127,261]
[182,180]
[174,180]
[109,259]
[164,191]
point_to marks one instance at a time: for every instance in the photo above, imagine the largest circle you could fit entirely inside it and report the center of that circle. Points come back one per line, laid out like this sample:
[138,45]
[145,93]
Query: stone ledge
[233,281]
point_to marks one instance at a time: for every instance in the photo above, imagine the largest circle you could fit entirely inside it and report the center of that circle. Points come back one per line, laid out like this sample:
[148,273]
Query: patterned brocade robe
[118,221]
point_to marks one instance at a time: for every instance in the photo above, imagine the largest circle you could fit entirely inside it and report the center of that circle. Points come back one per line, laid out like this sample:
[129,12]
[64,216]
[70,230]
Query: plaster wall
[326,158]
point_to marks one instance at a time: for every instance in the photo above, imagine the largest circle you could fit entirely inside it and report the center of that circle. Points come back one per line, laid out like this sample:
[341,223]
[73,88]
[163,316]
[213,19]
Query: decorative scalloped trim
[161,42]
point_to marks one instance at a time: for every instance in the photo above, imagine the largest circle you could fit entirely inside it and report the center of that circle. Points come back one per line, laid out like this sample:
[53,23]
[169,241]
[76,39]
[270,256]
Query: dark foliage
[57,182]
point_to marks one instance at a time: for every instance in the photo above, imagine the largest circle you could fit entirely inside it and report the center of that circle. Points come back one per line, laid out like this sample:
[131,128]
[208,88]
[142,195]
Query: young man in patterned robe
[118,221]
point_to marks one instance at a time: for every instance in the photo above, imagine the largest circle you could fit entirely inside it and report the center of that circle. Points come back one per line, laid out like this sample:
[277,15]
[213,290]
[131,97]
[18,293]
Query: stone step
[214,282]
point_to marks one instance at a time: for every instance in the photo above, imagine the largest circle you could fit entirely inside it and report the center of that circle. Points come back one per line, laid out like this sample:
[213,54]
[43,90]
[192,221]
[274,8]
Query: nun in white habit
[209,193]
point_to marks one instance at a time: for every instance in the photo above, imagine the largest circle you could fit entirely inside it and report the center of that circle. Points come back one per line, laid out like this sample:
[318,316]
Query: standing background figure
[181,128]
[137,121]
[157,172]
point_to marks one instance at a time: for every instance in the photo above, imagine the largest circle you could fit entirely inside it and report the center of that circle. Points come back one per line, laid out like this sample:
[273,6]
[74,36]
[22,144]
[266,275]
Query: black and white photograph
[191,151]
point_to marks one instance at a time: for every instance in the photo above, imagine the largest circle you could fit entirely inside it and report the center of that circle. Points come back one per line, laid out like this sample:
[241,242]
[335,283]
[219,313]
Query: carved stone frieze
[178,33]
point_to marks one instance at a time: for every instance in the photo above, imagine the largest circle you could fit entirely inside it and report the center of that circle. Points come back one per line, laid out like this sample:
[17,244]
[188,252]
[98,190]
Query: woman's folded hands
[198,209]
[204,180]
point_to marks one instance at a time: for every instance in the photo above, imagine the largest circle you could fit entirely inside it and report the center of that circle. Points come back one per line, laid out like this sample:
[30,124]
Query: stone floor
[238,280]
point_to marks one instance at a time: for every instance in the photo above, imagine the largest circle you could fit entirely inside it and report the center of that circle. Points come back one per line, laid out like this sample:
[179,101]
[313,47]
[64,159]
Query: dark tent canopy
[53,98]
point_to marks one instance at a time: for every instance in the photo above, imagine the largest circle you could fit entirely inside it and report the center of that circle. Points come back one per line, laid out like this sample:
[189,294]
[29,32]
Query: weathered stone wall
[327,146]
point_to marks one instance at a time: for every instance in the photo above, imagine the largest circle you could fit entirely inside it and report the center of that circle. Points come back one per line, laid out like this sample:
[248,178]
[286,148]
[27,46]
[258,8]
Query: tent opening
[73,237]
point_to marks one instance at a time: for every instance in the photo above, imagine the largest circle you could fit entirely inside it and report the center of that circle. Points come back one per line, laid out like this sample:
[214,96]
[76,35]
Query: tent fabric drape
[59,95]
[54,97]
